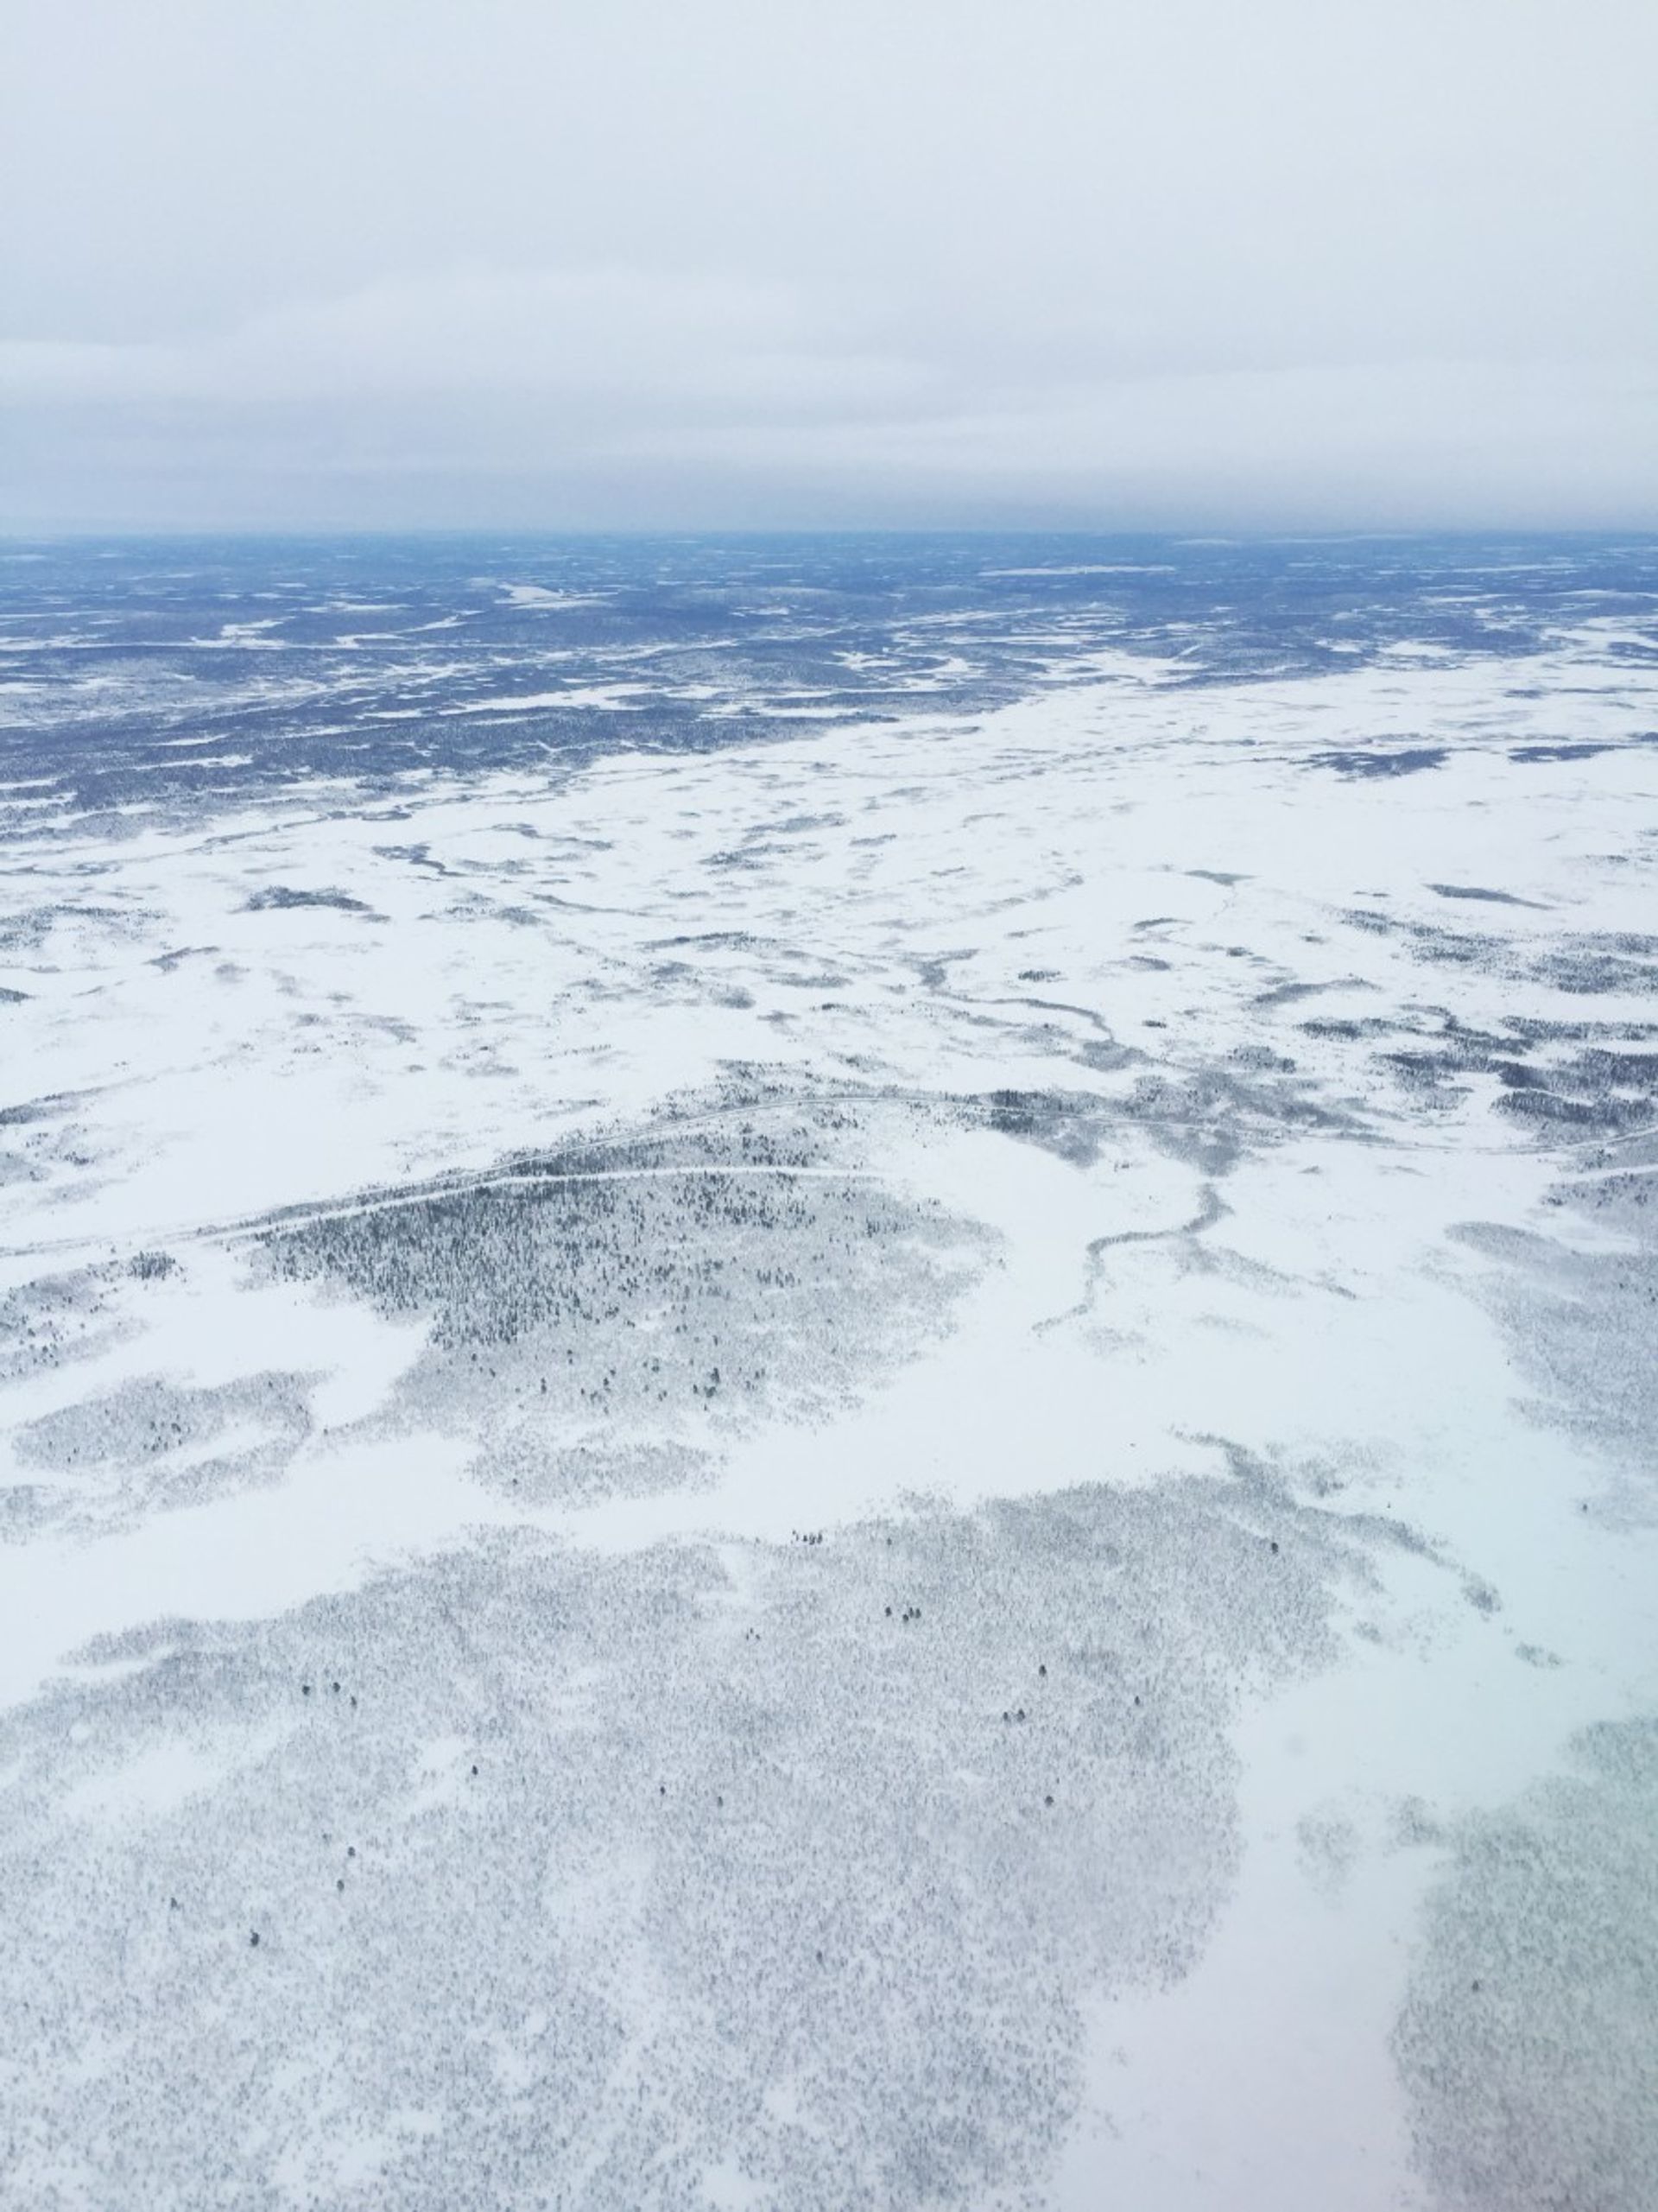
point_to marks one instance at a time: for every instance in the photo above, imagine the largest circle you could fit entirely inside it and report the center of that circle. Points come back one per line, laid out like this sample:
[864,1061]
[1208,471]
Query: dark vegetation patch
[1625,962]
[1073,1126]
[53,1319]
[1288,992]
[643,1296]
[27,1111]
[1539,753]
[148,1443]
[1603,963]
[168,962]
[795,1861]
[417,856]
[1476,891]
[1208,1119]
[28,930]
[1404,760]
[1582,1076]
[1211,1117]
[278,897]
[1349,1031]
[1528,2042]
[1583,1324]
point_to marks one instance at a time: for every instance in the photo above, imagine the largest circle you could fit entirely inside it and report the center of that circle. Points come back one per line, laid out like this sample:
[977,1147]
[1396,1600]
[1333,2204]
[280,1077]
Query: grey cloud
[728,263]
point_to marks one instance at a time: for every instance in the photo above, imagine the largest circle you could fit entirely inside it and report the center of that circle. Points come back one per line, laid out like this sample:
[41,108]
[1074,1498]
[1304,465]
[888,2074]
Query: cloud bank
[739,265]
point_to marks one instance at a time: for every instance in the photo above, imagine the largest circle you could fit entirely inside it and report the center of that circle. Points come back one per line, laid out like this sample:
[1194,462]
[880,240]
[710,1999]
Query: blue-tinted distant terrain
[161,673]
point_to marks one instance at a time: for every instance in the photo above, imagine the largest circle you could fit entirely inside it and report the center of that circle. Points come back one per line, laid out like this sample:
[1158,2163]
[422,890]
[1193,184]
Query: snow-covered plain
[912,1465]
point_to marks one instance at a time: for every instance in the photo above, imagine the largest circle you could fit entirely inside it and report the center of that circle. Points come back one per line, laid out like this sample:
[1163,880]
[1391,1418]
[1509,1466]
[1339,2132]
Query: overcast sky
[622,263]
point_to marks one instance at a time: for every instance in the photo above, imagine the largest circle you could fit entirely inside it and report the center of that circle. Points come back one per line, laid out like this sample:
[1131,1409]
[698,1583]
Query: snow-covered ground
[915,1465]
